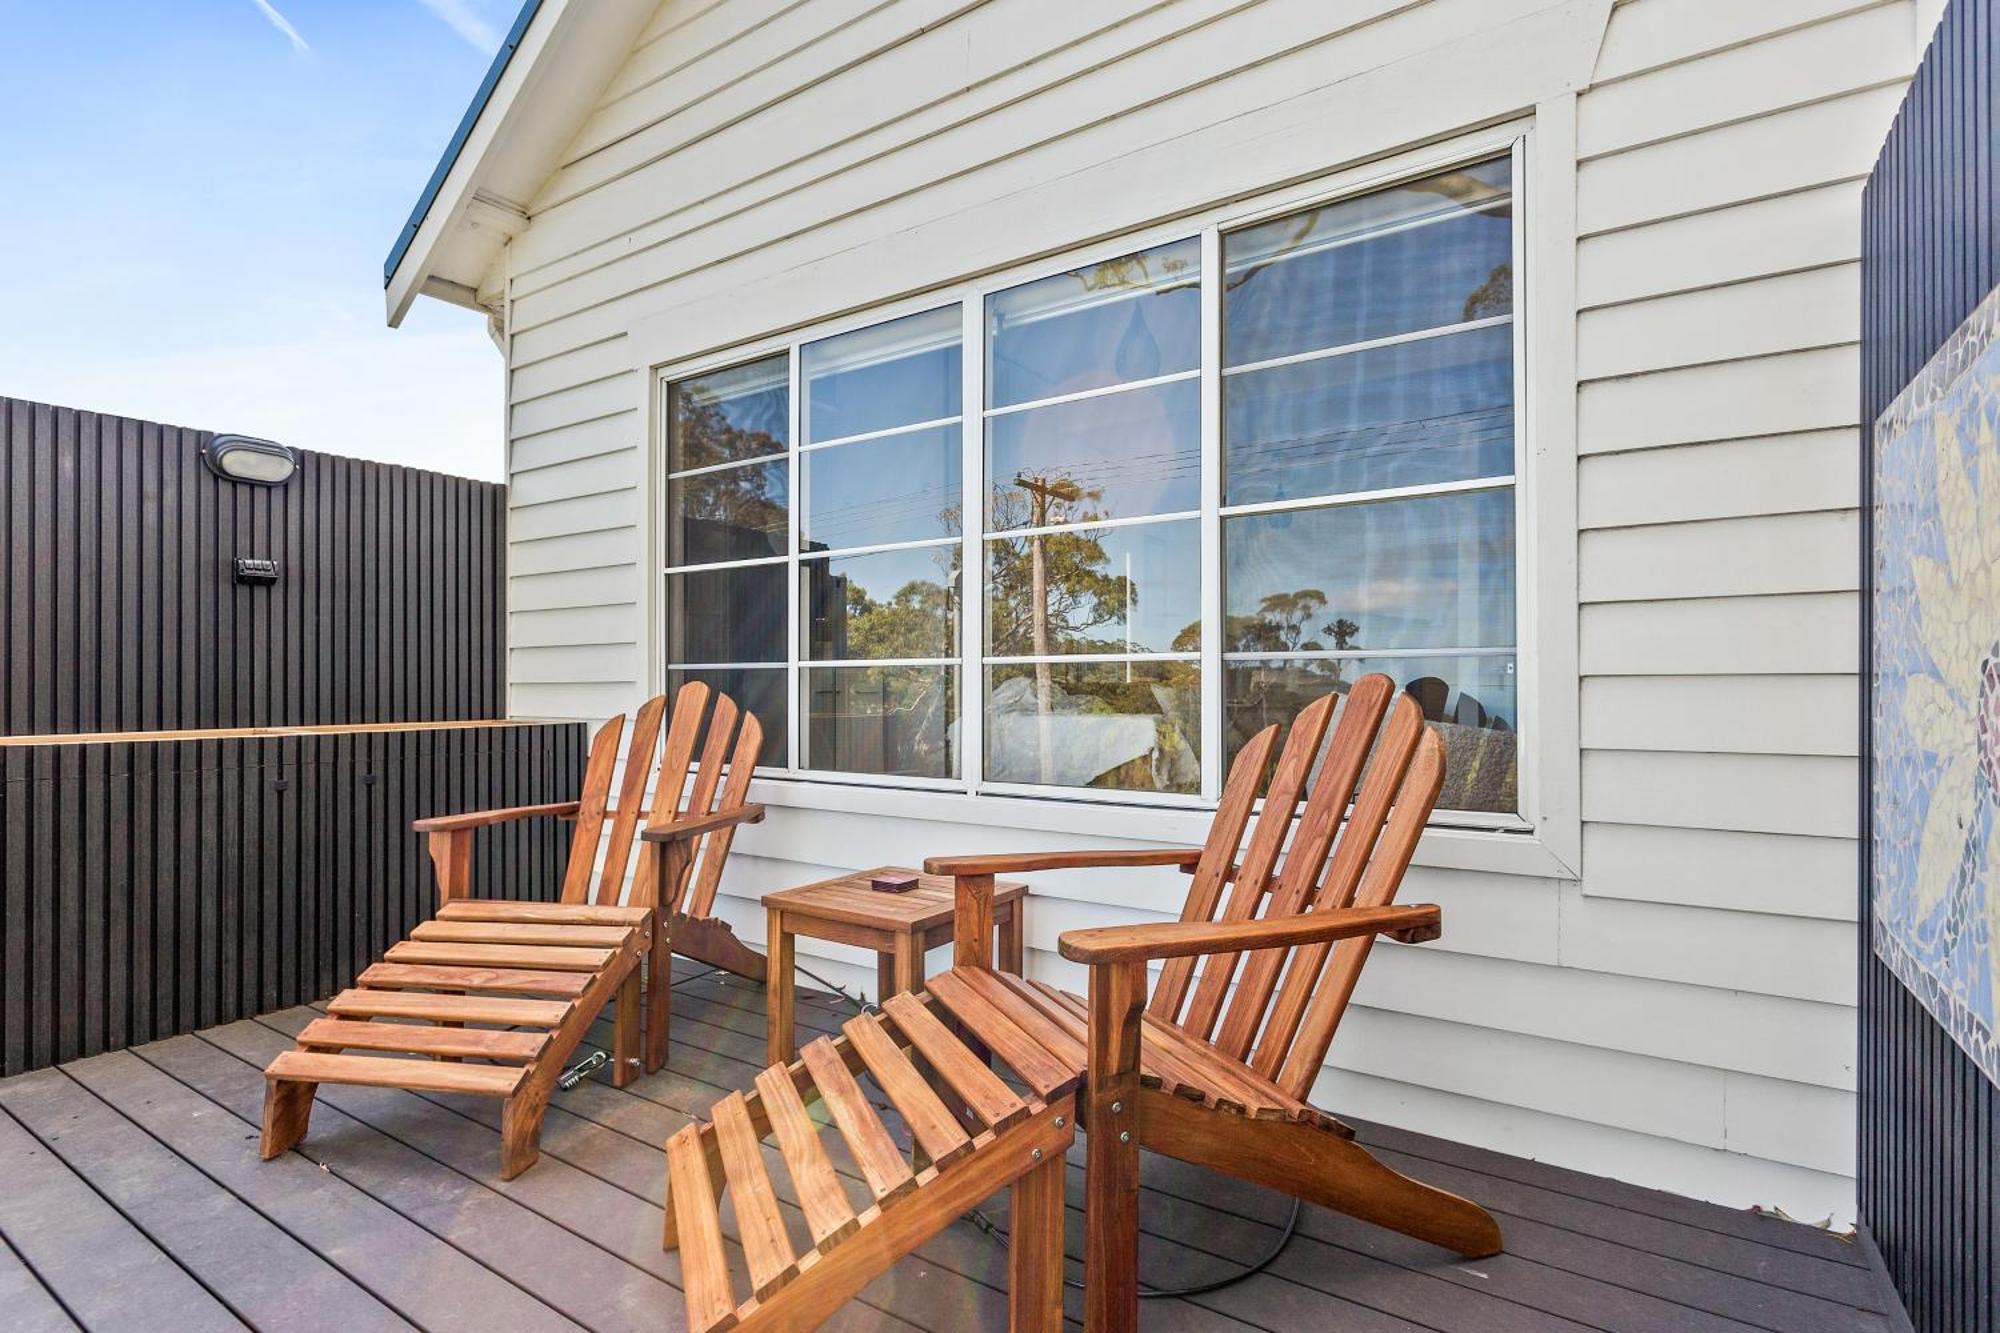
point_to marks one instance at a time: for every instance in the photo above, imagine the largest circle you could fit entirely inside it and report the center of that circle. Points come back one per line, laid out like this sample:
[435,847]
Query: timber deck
[134,1200]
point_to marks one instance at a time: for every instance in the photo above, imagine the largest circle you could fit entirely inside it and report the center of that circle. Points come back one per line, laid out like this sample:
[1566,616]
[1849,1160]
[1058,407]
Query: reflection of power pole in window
[1042,490]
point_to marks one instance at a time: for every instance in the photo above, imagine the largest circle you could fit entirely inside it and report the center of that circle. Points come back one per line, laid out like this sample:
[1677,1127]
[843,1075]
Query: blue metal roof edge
[464,131]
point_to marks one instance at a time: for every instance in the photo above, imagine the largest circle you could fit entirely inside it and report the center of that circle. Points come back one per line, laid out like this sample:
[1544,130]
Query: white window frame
[1545,612]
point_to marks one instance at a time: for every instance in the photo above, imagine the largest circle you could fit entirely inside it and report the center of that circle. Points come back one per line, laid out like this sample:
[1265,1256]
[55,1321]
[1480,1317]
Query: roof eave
[542,85]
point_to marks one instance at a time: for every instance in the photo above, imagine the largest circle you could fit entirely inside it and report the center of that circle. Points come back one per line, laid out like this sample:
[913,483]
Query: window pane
[738,513]
[894,374]
[1409,414]
[727,615]
[1104,590]
[1433,572]
[1119,456]
[1126,319]
[1125,726]
[1471,700]
[1435,251]
[898,488]
[893,720]
[890,604]
[742,412]
[760,691]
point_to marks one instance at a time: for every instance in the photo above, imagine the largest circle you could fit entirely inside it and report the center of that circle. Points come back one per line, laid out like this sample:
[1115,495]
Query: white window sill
[1509,851]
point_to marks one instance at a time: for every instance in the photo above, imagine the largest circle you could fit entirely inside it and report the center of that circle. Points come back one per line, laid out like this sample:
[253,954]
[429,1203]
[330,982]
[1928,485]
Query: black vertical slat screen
[163,878]
[1929,1151]
[121,613]
[156,887]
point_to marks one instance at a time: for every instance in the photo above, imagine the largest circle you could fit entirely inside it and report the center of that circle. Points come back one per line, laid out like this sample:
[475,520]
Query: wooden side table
[899,927]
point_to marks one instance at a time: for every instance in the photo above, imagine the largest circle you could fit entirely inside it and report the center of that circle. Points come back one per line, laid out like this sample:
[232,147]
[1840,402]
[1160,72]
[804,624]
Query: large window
[1210,480]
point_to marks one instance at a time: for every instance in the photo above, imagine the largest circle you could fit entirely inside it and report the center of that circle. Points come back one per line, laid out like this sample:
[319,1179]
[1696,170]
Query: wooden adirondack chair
[1194,1074]
[544,970]
[1215,1067]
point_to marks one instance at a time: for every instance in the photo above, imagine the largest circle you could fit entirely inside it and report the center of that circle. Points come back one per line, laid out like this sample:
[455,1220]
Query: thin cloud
[281,23]
[482,36]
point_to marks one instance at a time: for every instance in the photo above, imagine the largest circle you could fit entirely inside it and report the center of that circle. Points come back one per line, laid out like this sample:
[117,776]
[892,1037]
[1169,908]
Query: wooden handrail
[239,733]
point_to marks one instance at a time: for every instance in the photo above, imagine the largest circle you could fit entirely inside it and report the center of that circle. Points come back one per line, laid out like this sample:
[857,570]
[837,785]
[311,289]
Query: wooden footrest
[420,1075]
[470,1005]
[969,1132]
[335,1034]
[498,980]
[449,1008]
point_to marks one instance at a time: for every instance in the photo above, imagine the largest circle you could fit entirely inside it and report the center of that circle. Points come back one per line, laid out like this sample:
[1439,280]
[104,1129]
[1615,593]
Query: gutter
[480,99]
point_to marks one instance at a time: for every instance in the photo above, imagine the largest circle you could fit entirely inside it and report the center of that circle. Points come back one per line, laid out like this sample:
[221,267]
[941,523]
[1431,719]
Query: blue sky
[196,197]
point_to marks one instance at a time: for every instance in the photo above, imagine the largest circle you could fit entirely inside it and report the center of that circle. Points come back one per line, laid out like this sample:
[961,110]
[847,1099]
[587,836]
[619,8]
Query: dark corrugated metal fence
[166,878]
[118,610]
[1929,1121]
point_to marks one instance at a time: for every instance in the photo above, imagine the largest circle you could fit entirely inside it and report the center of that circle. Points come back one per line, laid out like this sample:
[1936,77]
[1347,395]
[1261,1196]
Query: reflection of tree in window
[1047,592]
[735,513]
[1495,296]
[1281,625]
[1479,740]
[708,430]
[1078,592]
[897,720]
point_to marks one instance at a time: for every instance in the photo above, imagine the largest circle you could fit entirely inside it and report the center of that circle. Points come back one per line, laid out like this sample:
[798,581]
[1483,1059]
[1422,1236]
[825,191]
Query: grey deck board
[561,1270]
[106,1270]
[268,1278]
[393,1203]
[424,1278]
[30,1306]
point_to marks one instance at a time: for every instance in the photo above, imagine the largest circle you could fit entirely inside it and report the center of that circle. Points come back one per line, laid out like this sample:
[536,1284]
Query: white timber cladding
[1658,982]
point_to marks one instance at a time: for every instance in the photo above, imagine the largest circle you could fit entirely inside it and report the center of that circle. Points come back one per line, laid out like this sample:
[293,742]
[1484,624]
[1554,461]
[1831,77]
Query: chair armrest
[972,886]
[1182,939]
[1016,863]
[482,818]
[610,812]
[680,829]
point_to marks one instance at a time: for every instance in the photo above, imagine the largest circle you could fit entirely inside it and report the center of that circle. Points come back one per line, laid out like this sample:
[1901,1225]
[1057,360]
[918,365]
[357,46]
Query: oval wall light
[241,458]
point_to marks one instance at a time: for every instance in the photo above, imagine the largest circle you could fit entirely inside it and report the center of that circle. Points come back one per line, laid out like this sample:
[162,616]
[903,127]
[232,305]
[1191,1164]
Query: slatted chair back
[721,784]
[1369,848]
[594,806]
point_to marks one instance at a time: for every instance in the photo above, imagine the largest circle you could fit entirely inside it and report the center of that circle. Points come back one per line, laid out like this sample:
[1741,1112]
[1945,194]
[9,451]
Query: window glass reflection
[1118,456]
[894,489]
[1409,414]
[897,721]
[740,413]
[1471,701]
[1125,726]
[1432,572]
[1129,318]
[893,374]
[734,513]
[1134,589]
[892,604]
[1436,251]
[727,615]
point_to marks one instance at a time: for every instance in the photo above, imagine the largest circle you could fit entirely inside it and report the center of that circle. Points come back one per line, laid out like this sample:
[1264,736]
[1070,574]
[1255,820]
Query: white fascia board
[566,57]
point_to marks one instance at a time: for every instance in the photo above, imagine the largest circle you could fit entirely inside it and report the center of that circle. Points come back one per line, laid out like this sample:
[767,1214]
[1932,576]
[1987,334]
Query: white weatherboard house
[1017,403]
